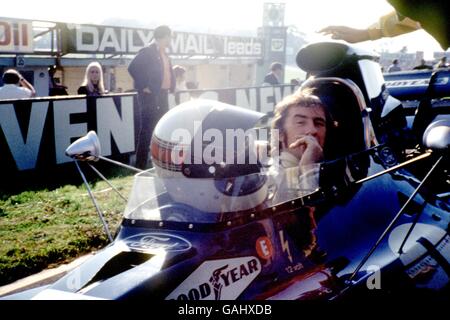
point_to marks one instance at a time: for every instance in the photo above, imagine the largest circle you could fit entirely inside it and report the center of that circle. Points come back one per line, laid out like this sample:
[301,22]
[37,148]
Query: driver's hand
[311,150]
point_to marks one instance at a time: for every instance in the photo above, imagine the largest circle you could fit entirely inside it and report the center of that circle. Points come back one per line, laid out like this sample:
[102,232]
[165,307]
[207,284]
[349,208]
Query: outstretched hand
[348,34]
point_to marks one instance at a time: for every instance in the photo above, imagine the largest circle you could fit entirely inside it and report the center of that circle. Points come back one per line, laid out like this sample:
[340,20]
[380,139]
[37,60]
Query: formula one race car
[209,221]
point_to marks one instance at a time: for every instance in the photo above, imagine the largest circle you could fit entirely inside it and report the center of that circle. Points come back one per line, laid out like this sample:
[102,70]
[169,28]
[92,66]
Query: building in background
[212,61]
[407,61]
[274,35]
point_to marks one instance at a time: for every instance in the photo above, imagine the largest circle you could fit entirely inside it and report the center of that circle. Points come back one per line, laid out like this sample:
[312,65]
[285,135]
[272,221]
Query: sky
[225,16]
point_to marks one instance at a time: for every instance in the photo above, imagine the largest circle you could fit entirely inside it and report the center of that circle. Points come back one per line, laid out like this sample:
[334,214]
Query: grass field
[39,229]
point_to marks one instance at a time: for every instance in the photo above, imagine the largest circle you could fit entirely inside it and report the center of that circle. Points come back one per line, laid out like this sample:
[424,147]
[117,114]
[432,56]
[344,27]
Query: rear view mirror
[85,148]
[437,135]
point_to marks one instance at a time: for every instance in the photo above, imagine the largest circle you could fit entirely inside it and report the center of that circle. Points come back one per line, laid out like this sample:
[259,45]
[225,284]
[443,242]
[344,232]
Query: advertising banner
[16,36]
[36,132]
[121,40]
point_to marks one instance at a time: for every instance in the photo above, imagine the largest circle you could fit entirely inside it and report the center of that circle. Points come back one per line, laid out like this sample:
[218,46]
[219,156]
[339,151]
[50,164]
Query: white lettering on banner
[64,131]
[242,100]
[277,94]
[123,39]
[145,38]
[233,47]
[230,48]
[242,97]
[265,105]
[178,43]
[16,36]
[131,47]
[109,40]
[192,45]
[113,39]
[110,124]
[209,50]
[24,151]
[93,31]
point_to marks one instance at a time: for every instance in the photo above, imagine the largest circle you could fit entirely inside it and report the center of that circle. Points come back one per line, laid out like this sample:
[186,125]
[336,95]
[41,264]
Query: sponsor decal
[387,156]
[294,268]
[218,280]
[157,241]
[264,248]
[277,45]
[407,83]
[416,82]
[426,254]
[425,268]
[285,246]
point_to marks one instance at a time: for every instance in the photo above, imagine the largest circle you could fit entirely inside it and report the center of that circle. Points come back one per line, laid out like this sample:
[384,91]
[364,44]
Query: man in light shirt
[15,86]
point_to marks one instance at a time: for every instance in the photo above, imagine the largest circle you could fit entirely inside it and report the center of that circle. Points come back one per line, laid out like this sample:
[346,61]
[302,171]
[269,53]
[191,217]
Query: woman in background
[93,81]
[180,77]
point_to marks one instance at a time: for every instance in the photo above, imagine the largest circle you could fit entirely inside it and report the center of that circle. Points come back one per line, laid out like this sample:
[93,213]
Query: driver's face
[301,121]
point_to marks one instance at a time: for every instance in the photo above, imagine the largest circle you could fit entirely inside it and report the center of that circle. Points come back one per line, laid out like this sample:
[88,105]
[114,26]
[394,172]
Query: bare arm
[348,34]
[24,83]
[387,26]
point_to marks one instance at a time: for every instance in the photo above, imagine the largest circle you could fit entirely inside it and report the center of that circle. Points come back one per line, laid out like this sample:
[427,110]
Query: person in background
[274,76]
[15,86]
[423,66]
[93,81]
[151,70]
[394,67]
[295,82]
[54,88]
[442,63]
[180,77]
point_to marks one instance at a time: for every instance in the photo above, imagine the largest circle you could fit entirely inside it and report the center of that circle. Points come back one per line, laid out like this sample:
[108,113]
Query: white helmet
[194,151]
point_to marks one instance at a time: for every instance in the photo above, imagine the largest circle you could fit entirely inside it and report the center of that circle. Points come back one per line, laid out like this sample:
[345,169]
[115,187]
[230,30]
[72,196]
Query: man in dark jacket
[274,76]
[153,77]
